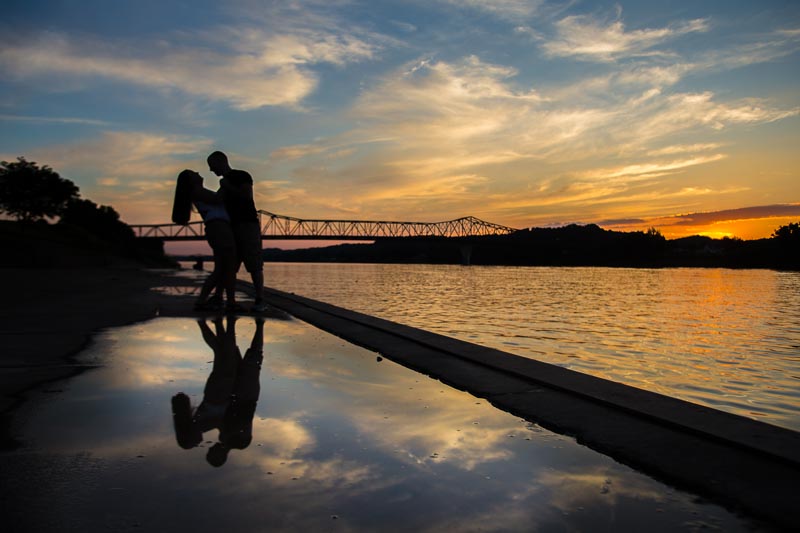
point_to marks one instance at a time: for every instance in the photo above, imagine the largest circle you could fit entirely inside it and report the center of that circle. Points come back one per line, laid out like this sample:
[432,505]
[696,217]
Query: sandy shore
[49,315]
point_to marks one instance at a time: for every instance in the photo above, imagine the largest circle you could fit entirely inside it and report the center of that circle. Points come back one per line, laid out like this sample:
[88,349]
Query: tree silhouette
[102,220]
[30,193]
[787,233]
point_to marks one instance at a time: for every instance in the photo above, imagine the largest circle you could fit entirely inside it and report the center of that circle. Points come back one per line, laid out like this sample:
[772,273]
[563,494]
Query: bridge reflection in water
[285,228]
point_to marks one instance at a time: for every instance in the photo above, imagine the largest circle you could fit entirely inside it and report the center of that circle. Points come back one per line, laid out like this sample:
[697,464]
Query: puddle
[339,439]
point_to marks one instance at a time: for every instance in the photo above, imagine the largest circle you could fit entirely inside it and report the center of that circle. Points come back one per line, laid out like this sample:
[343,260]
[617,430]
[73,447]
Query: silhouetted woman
[189,191]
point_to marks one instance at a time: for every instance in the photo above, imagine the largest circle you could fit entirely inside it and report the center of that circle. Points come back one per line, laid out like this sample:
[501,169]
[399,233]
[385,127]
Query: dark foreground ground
[48,315]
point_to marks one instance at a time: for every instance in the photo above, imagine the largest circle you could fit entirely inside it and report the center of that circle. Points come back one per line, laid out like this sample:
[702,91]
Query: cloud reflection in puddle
[335,433]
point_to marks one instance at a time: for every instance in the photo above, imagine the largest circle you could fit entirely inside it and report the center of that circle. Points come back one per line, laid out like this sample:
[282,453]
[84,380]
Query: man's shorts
[248,245]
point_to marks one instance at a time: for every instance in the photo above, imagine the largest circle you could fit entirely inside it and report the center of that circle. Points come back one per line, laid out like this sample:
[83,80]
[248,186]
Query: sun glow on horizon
[761,228]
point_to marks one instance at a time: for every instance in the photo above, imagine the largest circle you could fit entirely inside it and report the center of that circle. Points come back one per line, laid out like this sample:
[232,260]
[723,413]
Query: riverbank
[48,315]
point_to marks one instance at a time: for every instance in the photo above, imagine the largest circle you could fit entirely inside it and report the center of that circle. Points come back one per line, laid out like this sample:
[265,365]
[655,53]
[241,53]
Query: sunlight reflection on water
[729,339]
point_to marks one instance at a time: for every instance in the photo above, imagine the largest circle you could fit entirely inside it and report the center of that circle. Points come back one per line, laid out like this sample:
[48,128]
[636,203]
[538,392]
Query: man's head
[218,163]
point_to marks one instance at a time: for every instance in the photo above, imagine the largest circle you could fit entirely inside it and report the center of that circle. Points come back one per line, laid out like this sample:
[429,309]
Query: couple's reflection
[230,394]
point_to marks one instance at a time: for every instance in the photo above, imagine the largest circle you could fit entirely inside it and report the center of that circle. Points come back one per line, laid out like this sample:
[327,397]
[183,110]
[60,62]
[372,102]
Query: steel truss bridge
[279,227]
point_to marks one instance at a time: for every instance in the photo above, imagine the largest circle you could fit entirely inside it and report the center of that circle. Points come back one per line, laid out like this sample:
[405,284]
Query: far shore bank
[571,245]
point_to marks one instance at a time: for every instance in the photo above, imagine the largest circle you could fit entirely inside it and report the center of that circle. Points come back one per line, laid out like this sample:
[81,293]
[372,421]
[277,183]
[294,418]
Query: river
[728,339]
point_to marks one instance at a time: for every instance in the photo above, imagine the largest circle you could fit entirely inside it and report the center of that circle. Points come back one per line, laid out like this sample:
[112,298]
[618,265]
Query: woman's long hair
[187,433]
[182,205]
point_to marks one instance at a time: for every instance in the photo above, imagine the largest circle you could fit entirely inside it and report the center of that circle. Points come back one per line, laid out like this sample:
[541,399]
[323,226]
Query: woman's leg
[227,273]
[220,237]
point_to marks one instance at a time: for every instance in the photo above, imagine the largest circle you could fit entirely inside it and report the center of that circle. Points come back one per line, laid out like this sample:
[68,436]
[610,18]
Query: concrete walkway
[743,464]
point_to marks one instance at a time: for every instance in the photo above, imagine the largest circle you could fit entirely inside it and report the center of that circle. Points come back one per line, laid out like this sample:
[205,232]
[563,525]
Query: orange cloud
[753,222]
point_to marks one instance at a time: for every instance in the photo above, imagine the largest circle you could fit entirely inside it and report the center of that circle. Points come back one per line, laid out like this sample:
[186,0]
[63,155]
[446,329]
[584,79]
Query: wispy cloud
[477,108]
[130,155]
[53,120]
[434,190]
[468,133]
[404,26]
[443,104]
[684,148]
[137,167]
[754,49]
[297,151]
[671,114]
[255,68]
[508,9]
[744,213]
[650,169]
[719,223]
[586,37]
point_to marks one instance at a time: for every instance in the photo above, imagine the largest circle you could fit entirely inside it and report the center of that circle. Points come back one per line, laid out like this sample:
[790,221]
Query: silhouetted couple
[231,227]
[230,394]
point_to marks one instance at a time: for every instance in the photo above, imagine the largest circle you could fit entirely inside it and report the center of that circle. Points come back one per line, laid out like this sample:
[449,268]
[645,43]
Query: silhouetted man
[237,186]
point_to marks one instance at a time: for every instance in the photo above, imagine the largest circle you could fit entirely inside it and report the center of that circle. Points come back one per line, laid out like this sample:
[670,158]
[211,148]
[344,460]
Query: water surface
[337,441]
[729,339]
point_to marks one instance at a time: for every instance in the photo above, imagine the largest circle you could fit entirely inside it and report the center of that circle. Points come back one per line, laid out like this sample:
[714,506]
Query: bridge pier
[466,254]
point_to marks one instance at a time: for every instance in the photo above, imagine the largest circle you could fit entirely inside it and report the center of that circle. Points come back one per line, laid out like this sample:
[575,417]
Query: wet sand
[49,315]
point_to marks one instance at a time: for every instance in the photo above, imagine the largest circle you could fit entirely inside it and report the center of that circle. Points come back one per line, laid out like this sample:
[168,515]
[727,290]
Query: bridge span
[280,227]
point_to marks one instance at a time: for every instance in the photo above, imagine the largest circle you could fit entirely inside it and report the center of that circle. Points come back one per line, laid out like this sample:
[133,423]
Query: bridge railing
[191,231]
[284,227]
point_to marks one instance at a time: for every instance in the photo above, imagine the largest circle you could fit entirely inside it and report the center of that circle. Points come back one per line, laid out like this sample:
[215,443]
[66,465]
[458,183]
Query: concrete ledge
[744,464]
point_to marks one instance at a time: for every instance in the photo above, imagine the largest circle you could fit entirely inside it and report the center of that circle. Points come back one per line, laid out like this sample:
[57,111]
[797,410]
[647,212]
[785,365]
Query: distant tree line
[572,245]
[33,195]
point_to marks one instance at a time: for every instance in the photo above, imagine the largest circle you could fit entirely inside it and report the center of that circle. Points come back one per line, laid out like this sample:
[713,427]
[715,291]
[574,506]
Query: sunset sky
[681,115]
